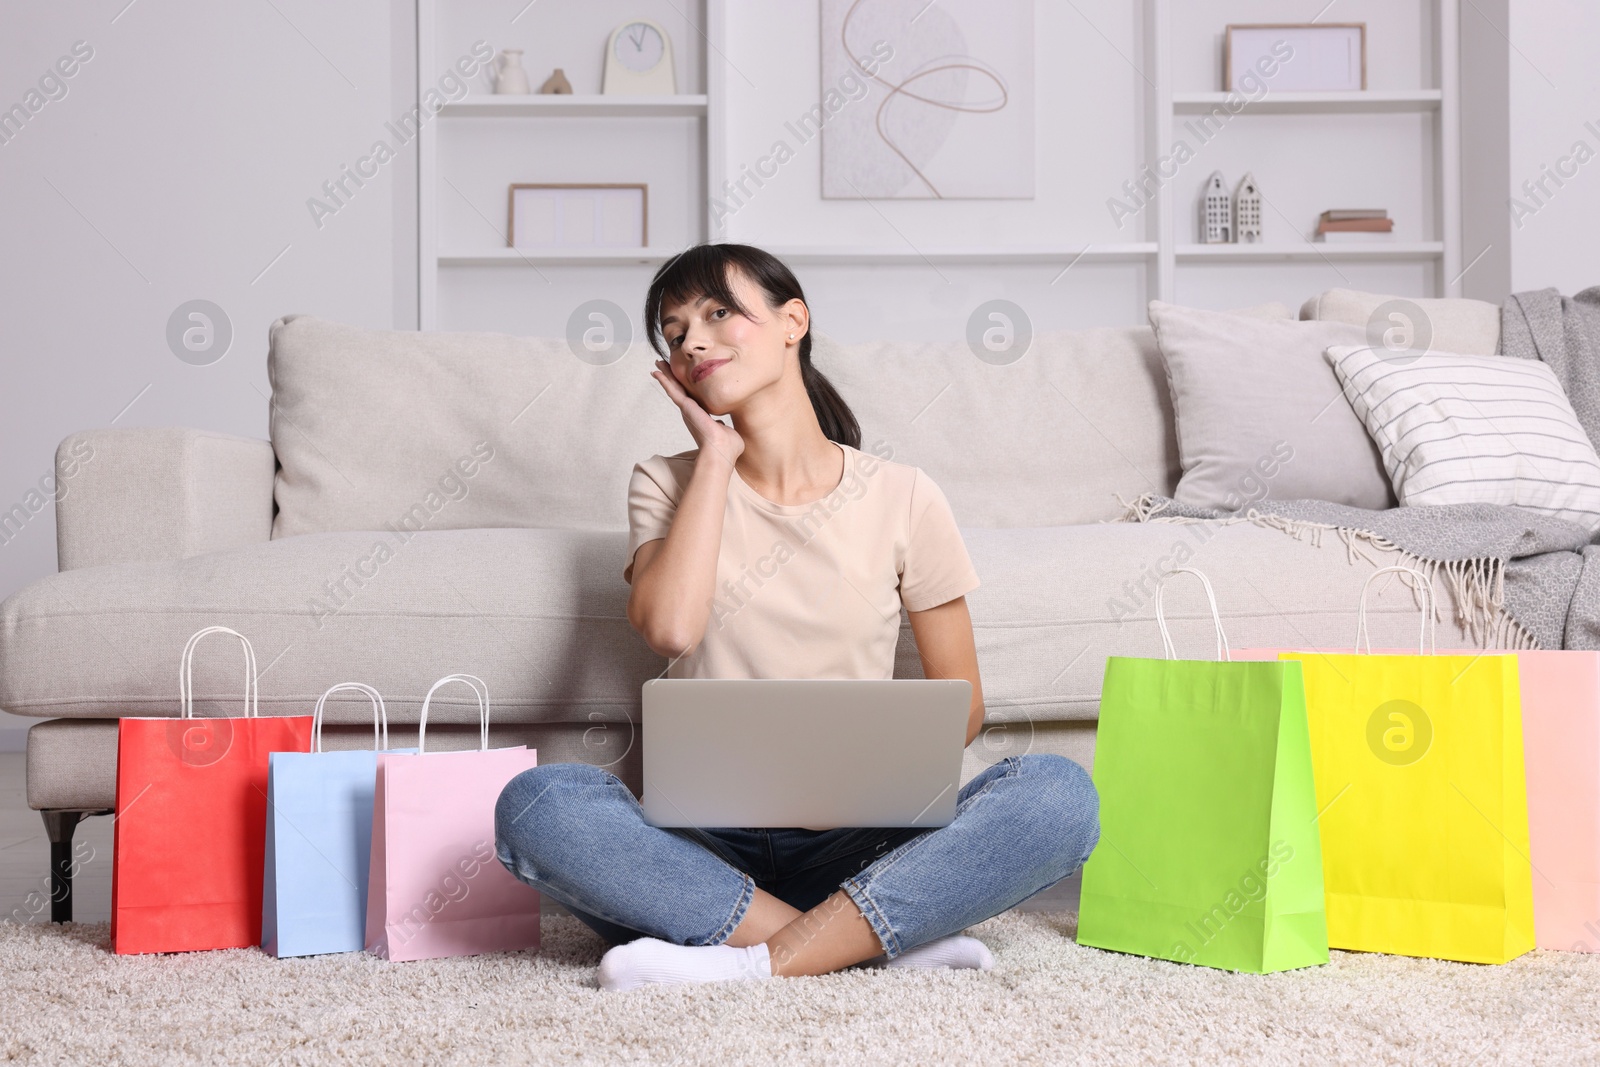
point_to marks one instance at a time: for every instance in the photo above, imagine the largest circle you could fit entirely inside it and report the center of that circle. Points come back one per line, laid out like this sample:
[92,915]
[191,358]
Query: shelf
[1313,250]
[1286,103]
[563,257]
[569,105]
[1109,252]
[813,254]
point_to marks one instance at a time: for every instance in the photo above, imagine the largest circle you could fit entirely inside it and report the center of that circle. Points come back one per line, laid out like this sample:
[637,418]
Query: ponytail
[838,421]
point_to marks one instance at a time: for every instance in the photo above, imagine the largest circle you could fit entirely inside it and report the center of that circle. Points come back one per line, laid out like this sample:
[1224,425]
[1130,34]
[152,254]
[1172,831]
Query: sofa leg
[59,826]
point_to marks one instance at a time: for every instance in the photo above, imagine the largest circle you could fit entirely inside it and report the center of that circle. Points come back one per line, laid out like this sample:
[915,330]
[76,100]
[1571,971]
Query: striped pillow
[1458,429]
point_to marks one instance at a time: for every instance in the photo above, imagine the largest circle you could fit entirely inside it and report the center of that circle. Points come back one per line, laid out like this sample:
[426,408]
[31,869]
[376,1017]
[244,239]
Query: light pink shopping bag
[436,887]
[1561,747]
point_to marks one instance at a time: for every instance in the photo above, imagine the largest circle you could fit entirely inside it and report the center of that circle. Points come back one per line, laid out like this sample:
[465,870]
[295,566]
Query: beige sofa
[432,503]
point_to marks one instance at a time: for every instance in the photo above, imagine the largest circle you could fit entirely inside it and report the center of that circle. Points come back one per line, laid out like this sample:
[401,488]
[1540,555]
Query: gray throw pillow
[1259,413]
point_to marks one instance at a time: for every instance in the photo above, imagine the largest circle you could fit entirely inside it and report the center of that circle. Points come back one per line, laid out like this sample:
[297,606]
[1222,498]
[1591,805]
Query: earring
[791,337]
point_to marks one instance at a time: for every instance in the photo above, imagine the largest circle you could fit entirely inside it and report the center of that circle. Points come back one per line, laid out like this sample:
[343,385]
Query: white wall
[177,166]
[1555,105]
[1530,146]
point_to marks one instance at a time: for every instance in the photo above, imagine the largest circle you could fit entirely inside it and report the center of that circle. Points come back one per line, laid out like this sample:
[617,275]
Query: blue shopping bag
[319,839]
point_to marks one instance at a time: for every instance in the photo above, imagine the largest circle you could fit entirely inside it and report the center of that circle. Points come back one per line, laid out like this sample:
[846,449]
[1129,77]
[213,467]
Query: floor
[25,862]
[1048,1000]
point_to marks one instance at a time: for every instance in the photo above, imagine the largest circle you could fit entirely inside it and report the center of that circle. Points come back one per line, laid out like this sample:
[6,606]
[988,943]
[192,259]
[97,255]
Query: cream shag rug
[67,998]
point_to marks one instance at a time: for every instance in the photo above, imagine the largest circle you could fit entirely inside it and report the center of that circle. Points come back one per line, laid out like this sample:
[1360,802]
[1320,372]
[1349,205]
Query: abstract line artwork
[948,114]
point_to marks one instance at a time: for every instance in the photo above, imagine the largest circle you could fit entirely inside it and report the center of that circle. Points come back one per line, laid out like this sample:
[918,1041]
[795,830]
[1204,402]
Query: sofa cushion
[1439,324]
[1459,429]
[540,615]
[1260,413]
[1055,437]
[380,429]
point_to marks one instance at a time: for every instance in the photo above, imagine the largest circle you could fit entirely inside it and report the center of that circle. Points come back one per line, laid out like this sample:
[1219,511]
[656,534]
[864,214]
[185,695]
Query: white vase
[510,77]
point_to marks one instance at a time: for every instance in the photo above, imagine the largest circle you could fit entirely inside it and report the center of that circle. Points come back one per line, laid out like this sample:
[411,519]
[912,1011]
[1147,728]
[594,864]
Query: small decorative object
[1296,57]
[1216,212]
[510,78]
[557,83]
[577,216]
[639,60]
[1247,211]
[1355,224]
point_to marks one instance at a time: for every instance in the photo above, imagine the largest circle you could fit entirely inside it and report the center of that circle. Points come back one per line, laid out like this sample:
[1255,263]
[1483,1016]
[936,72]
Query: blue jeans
[577,833]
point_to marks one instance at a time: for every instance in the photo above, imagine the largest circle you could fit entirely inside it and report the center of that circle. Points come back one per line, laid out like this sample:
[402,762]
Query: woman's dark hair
[703,271]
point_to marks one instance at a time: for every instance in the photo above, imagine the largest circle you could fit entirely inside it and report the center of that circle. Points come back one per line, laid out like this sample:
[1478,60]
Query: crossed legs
[577,833]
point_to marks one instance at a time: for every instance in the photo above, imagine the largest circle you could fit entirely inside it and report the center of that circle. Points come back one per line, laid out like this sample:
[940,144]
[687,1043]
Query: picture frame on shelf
[577,215]
[1321,56]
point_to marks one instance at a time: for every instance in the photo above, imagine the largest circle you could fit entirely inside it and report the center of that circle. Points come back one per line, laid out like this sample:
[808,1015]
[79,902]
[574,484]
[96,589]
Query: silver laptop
[814,753]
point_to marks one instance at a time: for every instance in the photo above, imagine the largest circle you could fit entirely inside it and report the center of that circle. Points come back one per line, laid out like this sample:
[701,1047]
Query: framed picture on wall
[1302,56]
[944,113]
[596,215]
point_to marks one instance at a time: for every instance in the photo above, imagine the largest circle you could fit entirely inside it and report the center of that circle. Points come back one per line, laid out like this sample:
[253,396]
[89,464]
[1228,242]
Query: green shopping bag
[1209,851]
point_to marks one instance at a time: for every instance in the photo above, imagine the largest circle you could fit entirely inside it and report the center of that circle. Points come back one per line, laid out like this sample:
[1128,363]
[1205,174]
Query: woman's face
[722,358]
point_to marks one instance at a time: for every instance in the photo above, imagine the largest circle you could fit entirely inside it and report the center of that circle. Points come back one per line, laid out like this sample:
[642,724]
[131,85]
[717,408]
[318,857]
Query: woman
[776,548]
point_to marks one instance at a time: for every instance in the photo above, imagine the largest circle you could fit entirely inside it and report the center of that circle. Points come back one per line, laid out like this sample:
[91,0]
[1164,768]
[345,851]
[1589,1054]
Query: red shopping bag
[190,831]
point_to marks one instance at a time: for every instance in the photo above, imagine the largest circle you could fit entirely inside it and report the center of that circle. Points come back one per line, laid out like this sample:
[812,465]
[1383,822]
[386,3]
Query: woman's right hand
[713,437]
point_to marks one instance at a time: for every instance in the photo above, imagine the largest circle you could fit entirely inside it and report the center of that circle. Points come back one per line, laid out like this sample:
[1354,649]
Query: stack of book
[1354,224]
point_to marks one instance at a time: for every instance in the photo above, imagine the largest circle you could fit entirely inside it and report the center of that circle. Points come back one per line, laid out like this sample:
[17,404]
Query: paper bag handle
[482,693]
[1427,631]
[379,716]
[1223,651]
[186,673]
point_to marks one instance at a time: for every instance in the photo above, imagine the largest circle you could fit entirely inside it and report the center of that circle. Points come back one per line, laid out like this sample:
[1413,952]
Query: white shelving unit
[1349,103]
[1124,252]
[1315,250]
[518,111]
[1442,103]
[571,257]
[1165,250]
[588,105]
[512,257]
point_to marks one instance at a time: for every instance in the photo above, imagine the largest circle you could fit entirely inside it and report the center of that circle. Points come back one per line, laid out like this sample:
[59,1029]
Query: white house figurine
[1247,211]
[1216,212]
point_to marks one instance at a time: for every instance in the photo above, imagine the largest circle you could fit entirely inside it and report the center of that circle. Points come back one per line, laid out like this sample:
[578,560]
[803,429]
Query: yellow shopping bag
[1422,799]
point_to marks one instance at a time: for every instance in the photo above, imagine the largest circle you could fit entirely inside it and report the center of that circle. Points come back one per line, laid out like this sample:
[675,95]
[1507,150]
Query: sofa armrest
[1449,324]
[146,494]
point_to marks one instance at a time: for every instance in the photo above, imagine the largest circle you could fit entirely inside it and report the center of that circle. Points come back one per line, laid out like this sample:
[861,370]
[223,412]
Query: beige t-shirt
[812,590]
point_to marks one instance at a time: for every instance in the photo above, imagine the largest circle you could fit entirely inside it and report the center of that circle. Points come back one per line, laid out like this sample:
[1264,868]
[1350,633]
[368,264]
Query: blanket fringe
[1477,586]
[1144,509]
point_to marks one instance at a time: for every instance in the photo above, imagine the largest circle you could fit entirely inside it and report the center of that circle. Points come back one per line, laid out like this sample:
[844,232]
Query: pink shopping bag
[436,886]
[1561,747]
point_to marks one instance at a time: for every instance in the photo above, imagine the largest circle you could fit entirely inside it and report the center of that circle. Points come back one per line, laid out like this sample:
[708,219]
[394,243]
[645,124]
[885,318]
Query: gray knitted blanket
[1564,331]
[1520,579]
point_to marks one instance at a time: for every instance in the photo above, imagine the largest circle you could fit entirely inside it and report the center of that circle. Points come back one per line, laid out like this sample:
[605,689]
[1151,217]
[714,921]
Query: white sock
[952,951]
[650,959]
